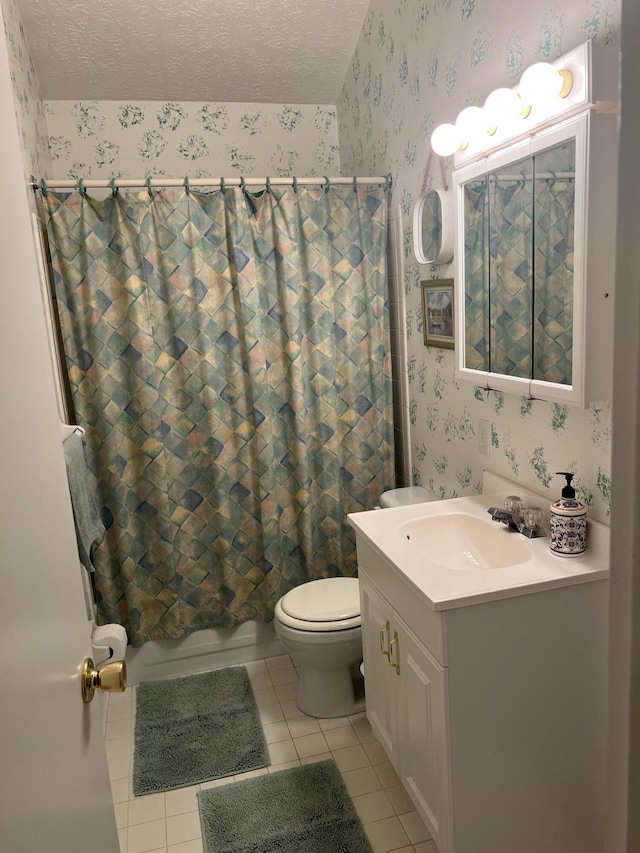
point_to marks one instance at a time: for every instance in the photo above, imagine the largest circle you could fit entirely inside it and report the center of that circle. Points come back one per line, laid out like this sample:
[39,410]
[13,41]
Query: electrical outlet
[483,437]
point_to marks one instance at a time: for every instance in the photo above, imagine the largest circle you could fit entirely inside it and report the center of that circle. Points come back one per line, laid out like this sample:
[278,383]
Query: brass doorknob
[112,677]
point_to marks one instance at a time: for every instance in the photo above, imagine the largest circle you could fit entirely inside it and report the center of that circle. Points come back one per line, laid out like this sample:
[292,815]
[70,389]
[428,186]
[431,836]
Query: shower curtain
[228,355]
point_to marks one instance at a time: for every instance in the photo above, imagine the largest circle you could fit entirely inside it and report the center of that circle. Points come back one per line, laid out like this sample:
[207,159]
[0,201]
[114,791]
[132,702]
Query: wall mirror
[433,228]
[520,265]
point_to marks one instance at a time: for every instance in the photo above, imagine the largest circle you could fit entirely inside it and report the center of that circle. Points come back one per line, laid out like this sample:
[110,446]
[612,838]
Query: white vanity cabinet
[492,714]
[406,694]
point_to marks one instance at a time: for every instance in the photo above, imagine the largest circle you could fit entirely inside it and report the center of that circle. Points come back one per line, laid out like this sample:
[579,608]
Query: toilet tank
[403,497]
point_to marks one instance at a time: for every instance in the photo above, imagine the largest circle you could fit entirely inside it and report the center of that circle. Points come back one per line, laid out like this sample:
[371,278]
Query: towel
[89,526]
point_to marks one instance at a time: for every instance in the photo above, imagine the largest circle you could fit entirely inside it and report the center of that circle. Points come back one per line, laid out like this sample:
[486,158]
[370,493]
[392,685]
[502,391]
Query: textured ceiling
[266,51]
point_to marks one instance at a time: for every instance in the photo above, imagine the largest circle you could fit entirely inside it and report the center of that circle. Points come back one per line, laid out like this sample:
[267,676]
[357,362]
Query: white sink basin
[465,543]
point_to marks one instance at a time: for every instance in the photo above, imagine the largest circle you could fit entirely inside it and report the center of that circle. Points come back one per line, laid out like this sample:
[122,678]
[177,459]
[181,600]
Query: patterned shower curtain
[228,355]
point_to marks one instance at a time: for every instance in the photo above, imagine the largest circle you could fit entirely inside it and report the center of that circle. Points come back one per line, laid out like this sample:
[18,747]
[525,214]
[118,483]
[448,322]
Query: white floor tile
[350,758]
[312,759]
[373,806]
[119,768]
[375,751]
[146,837]
[118,728]
[118,712]
[250,774]
[265,696]
[274,732]
[181,800]
[194,846]
[301,726]
[118,748]
[255,667]
[279,662]
[216,783]
[146,809]
[400,800]
[120,790]
[386,835]
[261,681]
[387,775]
[271,713]
[426,847]
[291,711]
[282,751]
[310,745]
[122,811]
[333,723]
[122,839]
[414,827]
[284,676]
[361,781]
[286,692]
[341,737]
[286,765]
[183,827]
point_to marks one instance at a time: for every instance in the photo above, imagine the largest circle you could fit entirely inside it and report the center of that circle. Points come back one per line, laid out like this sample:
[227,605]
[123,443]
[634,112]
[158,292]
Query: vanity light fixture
[535,99]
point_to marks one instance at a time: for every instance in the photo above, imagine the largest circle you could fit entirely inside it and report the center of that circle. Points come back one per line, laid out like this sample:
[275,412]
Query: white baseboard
[202,650]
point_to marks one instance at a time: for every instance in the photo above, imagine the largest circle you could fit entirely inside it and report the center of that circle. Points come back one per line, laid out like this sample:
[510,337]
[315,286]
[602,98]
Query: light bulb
[471,123]
[542,81]
[445,140]
[504,106]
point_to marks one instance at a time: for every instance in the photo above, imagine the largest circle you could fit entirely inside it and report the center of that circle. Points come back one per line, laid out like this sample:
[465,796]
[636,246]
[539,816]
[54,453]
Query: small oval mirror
[432,231]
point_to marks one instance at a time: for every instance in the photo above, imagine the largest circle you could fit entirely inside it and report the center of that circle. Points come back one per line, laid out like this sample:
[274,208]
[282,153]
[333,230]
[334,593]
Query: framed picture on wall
[437,313]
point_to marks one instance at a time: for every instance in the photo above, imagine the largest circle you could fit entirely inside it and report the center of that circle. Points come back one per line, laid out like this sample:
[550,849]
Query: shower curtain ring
[149,190]
[81,187]
[554,178]
[268,184]
[114,188]
[223,185]
[243,185]
[295,184]
[328,185]
[43,187]
[187,187]
[355,184]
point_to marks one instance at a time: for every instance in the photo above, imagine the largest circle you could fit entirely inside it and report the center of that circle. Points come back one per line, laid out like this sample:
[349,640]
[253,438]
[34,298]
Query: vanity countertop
[444,589]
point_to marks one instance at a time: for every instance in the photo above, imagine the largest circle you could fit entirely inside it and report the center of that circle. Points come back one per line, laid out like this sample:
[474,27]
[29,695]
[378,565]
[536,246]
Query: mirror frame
[445,253]
[575,128]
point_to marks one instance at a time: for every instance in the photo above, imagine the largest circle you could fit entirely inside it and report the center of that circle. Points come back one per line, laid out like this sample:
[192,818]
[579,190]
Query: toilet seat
[329,604]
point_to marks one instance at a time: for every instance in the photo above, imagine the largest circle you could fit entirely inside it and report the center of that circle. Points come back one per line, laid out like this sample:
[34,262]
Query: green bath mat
[194,729]
[303,810]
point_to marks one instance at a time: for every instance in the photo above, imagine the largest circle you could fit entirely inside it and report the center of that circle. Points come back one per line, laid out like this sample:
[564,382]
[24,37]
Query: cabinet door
[424,750]
[380,680]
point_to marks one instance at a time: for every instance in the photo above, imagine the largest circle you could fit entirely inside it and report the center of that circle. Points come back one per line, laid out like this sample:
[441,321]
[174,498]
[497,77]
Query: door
[380,678]
[54,788]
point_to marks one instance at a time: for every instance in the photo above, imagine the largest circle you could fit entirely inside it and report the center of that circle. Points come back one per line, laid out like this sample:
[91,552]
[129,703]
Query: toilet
[319,624]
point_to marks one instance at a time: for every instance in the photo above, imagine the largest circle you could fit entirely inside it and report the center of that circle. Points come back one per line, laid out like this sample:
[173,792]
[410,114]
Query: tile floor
[169,822]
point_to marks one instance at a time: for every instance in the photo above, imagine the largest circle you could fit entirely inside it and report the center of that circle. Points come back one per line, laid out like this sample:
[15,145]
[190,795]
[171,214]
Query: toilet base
[326,694]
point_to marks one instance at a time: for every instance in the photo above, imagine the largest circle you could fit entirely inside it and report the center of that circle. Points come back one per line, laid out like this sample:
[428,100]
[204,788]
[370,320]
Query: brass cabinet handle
[395,665]
[386,652]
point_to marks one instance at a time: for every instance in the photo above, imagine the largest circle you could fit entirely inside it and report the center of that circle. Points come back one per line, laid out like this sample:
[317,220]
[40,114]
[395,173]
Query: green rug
[303,810]
[194,729]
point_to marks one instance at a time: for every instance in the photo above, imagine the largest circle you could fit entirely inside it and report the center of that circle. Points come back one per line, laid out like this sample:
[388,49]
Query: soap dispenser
[568,522]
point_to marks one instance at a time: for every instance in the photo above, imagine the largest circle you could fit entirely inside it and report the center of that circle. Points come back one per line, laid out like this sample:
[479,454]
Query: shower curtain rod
[115,183]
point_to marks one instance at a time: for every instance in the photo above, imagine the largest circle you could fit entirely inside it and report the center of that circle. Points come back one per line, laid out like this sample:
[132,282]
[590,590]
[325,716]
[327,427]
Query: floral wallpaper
[30,113]
[154,138]
[417,64]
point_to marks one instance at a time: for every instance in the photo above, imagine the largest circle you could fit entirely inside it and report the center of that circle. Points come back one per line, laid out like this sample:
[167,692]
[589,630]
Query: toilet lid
[326,600]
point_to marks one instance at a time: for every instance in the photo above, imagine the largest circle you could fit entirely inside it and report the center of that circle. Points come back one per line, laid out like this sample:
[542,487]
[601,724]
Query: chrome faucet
[515,523]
